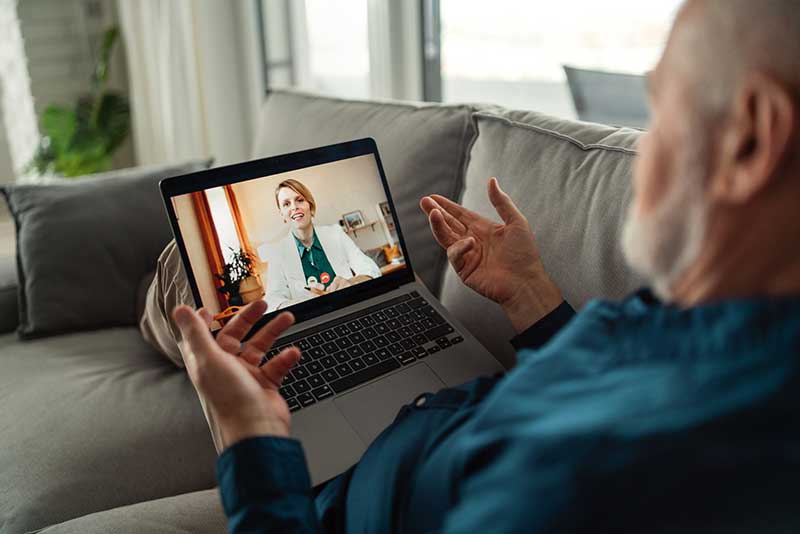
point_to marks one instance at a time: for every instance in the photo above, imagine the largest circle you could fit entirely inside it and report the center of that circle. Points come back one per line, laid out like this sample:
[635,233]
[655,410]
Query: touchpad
[372,408]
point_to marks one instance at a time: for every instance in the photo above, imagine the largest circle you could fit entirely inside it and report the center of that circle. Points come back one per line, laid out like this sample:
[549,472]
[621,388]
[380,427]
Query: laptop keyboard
[361,346]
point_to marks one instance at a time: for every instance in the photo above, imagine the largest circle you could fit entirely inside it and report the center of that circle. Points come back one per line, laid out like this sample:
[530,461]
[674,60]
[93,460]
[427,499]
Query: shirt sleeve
[545,328]
[265,487]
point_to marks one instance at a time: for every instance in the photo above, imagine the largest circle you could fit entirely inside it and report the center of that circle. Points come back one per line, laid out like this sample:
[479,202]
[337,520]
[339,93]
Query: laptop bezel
[261,168]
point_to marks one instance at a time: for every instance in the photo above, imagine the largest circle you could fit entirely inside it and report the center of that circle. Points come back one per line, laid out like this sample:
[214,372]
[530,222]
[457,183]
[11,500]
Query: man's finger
[266,336]
[230,337]
[503,204]
[428,204]
[456,210]
[442,233]
[194,331]
[456,252]
[277,368]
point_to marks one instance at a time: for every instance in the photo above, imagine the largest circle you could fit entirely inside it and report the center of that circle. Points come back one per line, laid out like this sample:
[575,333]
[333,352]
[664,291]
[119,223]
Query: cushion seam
[583,146]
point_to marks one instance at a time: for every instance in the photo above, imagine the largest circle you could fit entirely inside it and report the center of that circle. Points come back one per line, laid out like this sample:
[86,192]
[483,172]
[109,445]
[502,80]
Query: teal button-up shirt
[628,417]
[315,261]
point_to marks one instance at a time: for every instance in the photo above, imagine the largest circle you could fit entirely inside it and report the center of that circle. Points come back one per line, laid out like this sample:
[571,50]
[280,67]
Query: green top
[315,262]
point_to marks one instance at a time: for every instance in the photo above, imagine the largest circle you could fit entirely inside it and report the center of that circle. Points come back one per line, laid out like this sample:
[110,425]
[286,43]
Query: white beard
[663,244]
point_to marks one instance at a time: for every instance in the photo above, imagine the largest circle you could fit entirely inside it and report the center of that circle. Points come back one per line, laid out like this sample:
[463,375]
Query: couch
[101,433]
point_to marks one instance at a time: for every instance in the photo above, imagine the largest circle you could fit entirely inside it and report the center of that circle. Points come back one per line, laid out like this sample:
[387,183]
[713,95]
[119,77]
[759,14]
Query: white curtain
[161,41]
[18,113]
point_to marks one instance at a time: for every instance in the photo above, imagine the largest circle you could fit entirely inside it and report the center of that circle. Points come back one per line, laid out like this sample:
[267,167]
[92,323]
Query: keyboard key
[323,392]
[286,392]
[380,341]
[416,328]
[341,330]
[393,337]
[354,351]
[395,349]
[370,359]
[419,352]
[288,379]
[329,335]
[314,367]
[413,294]
[379,317]
[316,340]
[406,358]
[293,404]
[355,326]
[367,321]
[391,313]
[343,369]
[406,319]
[330,375]
[405,332]
[306,399]
[330,348]
[416,303]
[381,328]
[383,353]
[316,353]
[457,339]
[300,372]
[434,349]
[366,375]
[402,308]
[343,342]
[341,357]
[301,386]
[327,362]
[315,381]
[368,346]
[439,331]
[393,324]
[408,343]
[443,342]
[369,332]
[303,344]
[357,338]
[418,315]
[357,364]
[420,339]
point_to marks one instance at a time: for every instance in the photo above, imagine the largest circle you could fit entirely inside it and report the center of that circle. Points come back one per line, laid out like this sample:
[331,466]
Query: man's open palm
[499,261]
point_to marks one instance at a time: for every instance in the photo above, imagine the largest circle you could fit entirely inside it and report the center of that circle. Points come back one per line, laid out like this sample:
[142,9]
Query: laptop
[316,232]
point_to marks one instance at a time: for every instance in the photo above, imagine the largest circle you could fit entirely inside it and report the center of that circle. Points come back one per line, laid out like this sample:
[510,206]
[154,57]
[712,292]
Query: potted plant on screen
[240,283]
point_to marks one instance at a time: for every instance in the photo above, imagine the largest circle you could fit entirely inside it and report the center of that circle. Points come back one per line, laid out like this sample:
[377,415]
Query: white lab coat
[285,277]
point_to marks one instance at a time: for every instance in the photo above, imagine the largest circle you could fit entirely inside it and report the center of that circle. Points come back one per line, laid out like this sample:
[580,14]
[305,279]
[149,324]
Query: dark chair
[609,97]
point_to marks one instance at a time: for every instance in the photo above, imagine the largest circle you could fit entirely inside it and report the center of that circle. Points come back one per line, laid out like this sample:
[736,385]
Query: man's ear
[761,129]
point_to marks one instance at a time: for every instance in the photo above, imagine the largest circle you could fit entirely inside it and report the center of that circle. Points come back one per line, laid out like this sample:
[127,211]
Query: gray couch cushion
[92,421]
[9,311]
[192,513]
[84,247]
[572,182]
[423,149]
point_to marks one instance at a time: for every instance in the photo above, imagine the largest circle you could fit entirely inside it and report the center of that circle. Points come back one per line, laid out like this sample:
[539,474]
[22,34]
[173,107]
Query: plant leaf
[114,119]
[59,124]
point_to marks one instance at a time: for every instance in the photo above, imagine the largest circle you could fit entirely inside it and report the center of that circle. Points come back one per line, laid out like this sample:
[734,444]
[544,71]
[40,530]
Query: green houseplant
[82,139]
[239,282]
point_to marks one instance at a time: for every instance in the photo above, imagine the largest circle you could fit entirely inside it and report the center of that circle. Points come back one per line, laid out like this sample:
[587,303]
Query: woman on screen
[311,260]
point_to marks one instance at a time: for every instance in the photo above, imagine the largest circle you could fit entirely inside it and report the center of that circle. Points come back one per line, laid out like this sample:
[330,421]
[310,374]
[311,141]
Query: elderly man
[637,416]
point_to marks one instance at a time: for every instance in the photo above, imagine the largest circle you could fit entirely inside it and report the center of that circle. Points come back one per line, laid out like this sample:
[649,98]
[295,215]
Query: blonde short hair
[300,189]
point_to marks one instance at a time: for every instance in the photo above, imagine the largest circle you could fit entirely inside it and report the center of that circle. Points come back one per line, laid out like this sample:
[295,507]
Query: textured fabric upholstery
[572,182]
[195,513]
[92,421]
[423,149]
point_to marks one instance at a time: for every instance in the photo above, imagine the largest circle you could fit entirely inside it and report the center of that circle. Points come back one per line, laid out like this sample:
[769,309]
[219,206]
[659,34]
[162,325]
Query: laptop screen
[291,238]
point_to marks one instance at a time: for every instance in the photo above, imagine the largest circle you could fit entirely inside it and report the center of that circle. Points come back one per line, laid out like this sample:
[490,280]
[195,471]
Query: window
[512,53]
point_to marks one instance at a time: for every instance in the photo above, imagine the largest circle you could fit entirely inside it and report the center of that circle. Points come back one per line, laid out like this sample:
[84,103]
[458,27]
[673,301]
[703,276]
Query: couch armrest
[9,308]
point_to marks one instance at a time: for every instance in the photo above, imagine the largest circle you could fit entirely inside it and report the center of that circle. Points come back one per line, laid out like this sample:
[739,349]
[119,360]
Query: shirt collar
[301,248]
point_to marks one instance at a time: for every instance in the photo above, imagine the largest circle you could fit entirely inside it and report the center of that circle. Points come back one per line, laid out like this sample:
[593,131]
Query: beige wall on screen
[338,188]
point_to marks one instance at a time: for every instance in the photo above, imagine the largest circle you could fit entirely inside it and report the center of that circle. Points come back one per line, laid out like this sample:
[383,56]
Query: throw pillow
[84,246]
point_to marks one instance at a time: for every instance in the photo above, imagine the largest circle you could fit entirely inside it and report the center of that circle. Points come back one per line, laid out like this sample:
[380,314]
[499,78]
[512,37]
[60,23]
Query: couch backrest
[423,148]
[572,181]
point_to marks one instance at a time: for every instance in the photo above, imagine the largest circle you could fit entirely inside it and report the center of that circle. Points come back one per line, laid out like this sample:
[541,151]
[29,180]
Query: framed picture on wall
[353,220]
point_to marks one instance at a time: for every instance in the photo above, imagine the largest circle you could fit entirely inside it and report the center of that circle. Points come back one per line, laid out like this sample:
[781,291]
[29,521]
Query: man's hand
[340,282]
[499,261]
[243,397]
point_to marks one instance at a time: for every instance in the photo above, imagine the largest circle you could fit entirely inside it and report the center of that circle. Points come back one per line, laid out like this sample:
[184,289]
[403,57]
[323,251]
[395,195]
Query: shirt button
[422,399]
